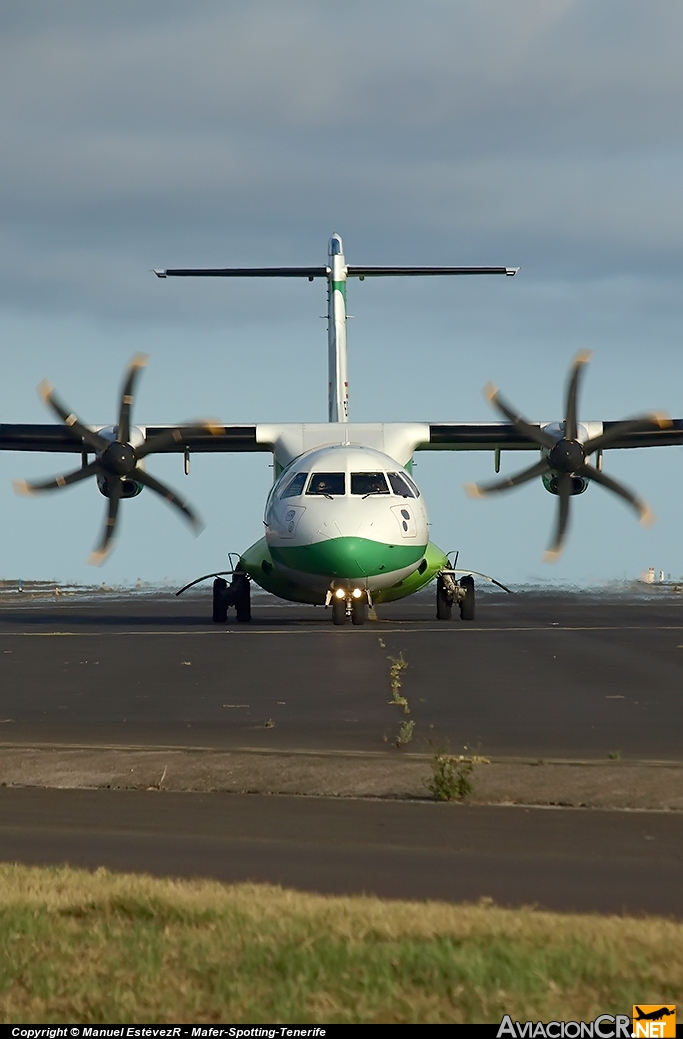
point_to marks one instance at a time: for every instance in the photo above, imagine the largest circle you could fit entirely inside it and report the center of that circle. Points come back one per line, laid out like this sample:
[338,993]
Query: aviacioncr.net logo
[606,1026]
[654,1021]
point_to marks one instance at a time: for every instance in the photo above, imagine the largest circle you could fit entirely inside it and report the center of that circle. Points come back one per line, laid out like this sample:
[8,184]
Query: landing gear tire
[339,611]
[220,601]
[467,604]
[444,606]
[359,611]
[241,597]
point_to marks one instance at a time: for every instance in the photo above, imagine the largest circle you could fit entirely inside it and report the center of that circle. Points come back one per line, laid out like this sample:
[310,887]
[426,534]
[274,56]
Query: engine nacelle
[579,483]
[129,488]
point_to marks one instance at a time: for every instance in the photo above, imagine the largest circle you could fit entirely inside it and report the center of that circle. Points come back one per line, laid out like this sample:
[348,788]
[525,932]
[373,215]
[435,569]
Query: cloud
[156,133]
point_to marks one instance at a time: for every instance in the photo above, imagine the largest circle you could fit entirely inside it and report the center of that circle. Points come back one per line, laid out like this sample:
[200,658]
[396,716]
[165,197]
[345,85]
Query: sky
[543,134]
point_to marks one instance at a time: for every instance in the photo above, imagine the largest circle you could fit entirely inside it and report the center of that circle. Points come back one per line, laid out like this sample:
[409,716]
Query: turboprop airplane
[345,522]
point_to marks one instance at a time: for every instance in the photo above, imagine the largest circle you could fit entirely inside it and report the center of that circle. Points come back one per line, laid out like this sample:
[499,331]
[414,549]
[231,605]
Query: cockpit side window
[412,484]
[327,484]
[399,486]
[368,483]
[295,487]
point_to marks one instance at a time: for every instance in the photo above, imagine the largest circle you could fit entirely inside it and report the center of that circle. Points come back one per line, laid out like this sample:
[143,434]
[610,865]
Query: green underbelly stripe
[348,557]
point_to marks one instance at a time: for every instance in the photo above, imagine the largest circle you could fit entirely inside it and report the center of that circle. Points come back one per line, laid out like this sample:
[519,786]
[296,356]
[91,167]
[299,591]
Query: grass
[106,948]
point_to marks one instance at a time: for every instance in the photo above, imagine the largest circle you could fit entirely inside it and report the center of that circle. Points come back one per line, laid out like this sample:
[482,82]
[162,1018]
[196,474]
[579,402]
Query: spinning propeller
[116,464]
[565,458]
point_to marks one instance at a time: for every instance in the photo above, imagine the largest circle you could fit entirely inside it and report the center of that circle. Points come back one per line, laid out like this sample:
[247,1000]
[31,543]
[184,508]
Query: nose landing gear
[349,602]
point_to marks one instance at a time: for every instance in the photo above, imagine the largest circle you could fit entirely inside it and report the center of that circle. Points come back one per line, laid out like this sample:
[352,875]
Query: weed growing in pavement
[450,777]
[450,774]
[614,755]
[405,733]
[407,728]
[398,664]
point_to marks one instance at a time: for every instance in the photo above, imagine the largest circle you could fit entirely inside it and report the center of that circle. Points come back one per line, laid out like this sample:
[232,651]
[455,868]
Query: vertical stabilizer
[336,272]
[338,410]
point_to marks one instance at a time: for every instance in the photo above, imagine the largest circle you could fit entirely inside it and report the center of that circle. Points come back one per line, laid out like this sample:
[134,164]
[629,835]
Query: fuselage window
[295,487]
[399,486]
[368,483]
[327,484]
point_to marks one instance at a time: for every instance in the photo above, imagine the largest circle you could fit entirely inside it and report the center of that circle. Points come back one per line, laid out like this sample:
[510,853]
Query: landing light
[340,593]
[356,593]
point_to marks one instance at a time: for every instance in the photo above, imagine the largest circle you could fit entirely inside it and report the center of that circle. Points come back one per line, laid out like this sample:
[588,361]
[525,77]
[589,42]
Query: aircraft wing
[60,438]
[504,436]
[433,436]
[219,438]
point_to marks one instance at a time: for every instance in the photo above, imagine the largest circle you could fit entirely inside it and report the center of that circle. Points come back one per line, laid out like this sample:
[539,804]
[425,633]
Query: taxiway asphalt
[535,675]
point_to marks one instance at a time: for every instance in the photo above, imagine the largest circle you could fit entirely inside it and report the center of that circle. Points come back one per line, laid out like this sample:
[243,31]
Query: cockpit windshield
[368,483]
[295,487]
[399,485]
[327,484]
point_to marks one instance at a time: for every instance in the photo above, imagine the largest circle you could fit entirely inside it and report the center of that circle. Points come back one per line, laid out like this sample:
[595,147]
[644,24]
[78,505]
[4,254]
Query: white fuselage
[346,515]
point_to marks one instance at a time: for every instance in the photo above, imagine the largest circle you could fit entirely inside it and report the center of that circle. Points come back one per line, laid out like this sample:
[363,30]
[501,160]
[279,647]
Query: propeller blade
[567,457]
[134,369]
[94,440]
[634,425]
[97,557]
[645,513]
[117,460]
[169,437]
[23,487]
[539,436]
[570,422]
[564,490]
[169,496]
[477,490]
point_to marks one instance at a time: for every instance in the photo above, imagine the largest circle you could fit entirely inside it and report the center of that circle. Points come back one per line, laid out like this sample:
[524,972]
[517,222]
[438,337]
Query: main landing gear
[450,591]
[237,594]
[347,603]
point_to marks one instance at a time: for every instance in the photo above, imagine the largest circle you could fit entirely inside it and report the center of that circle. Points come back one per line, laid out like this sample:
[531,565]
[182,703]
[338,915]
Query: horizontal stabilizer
[245,272]
[381,272]
[324,272]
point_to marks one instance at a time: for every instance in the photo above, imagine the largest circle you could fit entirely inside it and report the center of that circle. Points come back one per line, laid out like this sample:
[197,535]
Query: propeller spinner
[117,461]
[565,458]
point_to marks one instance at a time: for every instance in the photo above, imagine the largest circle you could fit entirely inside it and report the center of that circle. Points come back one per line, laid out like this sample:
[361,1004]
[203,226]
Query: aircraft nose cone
[566,456]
